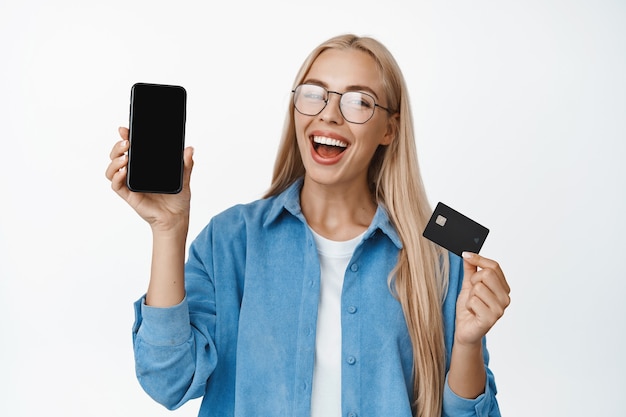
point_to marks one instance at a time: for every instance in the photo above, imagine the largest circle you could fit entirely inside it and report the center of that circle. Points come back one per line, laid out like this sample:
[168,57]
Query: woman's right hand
[164,212]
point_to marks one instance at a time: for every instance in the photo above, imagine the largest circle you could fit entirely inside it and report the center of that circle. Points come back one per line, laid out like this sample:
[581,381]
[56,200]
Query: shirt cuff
[454,405]
[162,326]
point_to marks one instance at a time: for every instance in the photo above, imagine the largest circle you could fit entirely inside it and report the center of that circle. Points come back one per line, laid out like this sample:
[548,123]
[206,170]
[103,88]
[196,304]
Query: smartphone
[157,138]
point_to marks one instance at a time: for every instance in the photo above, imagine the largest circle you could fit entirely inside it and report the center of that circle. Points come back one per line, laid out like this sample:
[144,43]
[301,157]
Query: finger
[120,148]
[496,284]
[493,302]
[480,261]
[484,263]
[477,307]
[485,317]
[118,182]
[116,165]
[468,271]
[188,165]
[124,132]
[492,278]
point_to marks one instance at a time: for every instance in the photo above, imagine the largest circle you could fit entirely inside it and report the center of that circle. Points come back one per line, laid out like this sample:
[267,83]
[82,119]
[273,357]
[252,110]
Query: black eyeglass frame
[328,92]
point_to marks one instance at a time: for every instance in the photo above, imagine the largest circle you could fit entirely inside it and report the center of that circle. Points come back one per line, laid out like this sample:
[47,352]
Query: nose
[332,111]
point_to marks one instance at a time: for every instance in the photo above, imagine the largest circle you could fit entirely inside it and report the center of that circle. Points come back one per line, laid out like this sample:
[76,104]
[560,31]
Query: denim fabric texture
[244,336]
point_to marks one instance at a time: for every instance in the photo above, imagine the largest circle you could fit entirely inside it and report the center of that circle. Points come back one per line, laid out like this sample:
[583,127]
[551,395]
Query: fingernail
[467,255]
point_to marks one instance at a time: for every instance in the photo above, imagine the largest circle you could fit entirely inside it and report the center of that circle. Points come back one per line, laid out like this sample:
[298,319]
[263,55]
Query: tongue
[326,151]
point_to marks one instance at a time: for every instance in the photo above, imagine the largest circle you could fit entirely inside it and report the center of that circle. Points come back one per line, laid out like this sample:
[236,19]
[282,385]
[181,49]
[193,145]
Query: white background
[520,110]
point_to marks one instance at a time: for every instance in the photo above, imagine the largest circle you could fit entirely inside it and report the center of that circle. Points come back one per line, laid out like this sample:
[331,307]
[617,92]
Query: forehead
[341,68]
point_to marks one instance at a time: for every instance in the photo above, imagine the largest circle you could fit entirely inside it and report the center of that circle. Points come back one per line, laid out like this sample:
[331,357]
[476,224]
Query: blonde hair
[420,279]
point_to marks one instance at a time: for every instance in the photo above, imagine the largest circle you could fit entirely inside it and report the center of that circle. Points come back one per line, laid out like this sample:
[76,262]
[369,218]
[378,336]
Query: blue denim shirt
[244,336]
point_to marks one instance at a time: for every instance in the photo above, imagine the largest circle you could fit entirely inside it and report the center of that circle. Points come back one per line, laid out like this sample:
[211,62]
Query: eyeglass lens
[355,106]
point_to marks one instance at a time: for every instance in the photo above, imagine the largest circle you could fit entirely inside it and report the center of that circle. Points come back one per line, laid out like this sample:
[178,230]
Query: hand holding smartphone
[156,138]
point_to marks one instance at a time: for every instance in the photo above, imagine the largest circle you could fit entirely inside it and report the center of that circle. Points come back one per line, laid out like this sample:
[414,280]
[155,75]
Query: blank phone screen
[157,138]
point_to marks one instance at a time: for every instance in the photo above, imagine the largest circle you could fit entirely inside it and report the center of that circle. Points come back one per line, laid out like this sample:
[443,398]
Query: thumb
[468,268]
[188,164]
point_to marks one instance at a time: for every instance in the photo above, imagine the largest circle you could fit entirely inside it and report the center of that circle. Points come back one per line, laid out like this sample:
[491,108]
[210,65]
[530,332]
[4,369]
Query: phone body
[156,138]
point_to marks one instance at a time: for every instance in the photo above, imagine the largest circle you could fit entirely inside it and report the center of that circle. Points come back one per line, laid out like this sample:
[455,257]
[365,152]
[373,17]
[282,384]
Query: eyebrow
[355,87]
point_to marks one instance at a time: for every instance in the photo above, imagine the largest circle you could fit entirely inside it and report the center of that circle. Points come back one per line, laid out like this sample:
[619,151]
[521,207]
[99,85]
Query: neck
[337,212]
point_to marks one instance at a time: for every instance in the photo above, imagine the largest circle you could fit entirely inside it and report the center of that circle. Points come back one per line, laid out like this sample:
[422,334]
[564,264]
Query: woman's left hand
[483,298]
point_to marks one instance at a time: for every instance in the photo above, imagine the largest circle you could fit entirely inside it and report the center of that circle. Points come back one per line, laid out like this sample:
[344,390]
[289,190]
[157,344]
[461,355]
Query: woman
[323,298]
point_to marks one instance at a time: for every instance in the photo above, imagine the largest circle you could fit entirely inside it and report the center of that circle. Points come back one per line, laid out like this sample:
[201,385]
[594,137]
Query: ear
[393,125]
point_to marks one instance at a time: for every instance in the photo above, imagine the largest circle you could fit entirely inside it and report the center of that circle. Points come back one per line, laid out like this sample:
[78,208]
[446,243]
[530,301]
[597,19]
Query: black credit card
[454,231]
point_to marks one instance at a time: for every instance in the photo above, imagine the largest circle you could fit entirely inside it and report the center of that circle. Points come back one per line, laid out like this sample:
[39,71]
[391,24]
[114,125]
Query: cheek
[301,120]
[379,135]
[297,123]
[301,139]
[299,127]
[372,137]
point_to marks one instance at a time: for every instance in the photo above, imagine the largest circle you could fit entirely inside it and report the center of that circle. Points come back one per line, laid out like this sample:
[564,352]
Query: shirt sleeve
[174,349]
[168,352]
[485,405]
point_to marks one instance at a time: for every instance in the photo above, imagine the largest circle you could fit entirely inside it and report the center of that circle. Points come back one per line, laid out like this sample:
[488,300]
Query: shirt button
[352,415]
[352,309]
[351,360]
[354,267]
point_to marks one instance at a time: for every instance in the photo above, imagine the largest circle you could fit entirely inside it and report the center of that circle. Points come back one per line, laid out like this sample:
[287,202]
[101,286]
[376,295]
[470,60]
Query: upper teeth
[322,140]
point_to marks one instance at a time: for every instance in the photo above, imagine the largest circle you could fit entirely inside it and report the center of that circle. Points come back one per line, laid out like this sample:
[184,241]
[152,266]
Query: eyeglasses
[355,106]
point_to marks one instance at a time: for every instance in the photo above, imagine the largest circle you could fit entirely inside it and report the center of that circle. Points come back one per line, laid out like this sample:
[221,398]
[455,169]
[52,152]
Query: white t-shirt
[326,391]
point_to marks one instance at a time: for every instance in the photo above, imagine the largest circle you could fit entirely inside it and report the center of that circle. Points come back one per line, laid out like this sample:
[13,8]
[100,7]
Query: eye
[313,96]
[313,93]
[358,100]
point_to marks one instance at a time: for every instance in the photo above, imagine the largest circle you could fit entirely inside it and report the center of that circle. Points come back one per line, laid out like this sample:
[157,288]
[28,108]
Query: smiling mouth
[328,147]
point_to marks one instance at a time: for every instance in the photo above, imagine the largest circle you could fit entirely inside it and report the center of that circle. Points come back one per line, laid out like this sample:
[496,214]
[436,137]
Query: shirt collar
[289,200]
